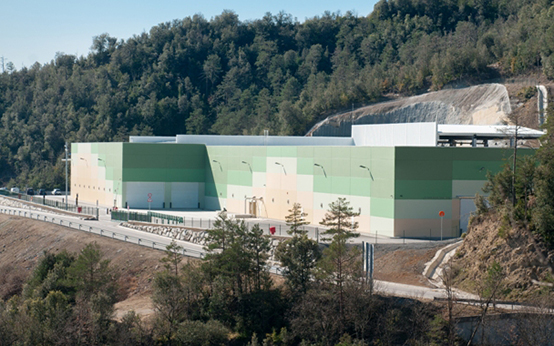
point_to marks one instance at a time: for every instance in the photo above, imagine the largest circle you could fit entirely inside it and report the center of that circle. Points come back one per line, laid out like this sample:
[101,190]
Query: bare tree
[488,290]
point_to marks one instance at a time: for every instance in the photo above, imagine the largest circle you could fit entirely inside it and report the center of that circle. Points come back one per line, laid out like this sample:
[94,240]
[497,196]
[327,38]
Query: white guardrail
[157,245]
[99,231]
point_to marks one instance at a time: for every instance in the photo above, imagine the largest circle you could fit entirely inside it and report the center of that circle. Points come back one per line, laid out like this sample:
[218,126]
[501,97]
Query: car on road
[41,192]
[14,190]
[30,192]
[57,192]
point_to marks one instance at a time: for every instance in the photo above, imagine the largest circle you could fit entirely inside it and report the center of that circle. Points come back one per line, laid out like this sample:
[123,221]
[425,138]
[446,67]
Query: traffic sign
[441,214]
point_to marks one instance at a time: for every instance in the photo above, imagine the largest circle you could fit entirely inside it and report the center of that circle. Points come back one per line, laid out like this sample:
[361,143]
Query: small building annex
[398,176]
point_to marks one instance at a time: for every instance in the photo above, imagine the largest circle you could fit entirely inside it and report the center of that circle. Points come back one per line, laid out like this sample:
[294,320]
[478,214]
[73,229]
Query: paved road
[105,228]
[108,228]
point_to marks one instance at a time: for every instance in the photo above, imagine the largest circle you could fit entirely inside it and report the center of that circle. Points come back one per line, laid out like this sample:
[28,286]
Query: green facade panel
[360,186]
[259,163]
[423,189]
[110,156]
[282,151]
[166,175]
[382,207]
[242,178]
[163,162]
[305,165]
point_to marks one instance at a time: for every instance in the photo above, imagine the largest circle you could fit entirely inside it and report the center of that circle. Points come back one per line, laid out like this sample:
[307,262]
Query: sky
[35,30]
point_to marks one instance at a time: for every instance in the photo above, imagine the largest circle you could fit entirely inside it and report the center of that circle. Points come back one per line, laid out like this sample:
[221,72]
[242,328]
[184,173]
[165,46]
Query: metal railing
[42,200]
[158,245]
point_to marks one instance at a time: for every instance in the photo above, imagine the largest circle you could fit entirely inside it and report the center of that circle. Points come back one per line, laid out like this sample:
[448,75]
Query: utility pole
[66,159]
[2,64]
[514,166]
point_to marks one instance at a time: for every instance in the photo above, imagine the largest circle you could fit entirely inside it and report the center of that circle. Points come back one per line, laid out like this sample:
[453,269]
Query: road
[108,228]
[105,228]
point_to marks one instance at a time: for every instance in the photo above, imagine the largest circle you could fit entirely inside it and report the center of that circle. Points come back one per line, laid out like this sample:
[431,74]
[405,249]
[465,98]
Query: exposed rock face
[525,261]
[486,104]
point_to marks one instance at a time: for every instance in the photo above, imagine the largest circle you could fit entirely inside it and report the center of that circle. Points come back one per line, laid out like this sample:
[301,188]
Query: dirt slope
[522,257]
[23,241]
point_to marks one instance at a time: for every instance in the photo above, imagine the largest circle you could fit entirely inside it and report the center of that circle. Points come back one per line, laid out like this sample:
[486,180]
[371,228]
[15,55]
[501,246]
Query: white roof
[378,135]
[492,131]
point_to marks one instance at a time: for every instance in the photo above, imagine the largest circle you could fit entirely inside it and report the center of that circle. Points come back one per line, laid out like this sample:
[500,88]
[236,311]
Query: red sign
[441,213]
[272,230]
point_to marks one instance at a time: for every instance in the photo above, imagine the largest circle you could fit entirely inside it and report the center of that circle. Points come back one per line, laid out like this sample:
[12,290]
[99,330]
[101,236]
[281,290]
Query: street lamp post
[65,148]
[282,166]
[322,168]
[249,166]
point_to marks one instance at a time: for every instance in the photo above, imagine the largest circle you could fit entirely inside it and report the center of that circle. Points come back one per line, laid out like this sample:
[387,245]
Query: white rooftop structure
[488,131]
[428,134]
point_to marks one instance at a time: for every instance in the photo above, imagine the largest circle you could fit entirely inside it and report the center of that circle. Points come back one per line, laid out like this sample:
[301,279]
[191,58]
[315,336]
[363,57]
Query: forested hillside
[226,76]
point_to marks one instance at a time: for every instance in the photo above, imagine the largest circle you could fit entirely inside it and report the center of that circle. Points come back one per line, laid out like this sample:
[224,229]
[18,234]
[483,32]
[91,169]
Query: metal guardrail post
[125,238]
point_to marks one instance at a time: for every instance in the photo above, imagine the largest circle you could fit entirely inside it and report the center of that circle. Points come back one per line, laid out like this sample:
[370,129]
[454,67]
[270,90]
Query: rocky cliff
[485,104]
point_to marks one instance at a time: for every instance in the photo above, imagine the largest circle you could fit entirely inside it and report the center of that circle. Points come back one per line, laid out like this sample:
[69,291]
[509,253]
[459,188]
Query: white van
[14,190]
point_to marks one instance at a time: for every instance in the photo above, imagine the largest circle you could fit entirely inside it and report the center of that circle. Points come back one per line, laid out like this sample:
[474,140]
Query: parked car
[56,192]
[41,192]
[30,192]
[14,190]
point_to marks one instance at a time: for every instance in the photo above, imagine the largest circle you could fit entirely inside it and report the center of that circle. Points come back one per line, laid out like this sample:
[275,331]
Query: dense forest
[226,76]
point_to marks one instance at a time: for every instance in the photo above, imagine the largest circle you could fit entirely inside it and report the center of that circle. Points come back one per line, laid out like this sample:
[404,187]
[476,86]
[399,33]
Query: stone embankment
[195,236]
[178,233]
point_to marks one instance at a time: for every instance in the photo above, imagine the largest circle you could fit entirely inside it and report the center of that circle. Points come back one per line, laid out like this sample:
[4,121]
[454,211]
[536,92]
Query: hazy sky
[34,30]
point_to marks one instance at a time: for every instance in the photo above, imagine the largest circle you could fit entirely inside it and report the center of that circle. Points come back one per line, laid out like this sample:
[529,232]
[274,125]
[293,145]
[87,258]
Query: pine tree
[296,219]
[339,261]
[299,254]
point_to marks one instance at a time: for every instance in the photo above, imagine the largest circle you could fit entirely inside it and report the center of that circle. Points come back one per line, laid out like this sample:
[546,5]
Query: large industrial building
[398,176]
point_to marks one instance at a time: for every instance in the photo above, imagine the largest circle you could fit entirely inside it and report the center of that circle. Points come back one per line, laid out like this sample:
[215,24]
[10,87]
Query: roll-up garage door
[184,195]
[137,194]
